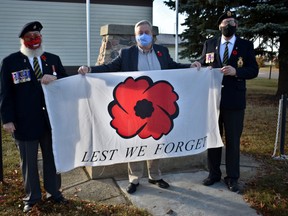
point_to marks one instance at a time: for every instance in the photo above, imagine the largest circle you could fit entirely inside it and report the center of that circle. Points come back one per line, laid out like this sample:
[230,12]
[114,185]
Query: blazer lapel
[134,59]
[28,66]
[26,62]
[161,61]
[217,51]
[44,64]
[32,72]
[233,57]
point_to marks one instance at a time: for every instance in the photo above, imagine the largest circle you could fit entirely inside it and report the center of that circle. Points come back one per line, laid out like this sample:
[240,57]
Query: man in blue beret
[24,115]
[236,59]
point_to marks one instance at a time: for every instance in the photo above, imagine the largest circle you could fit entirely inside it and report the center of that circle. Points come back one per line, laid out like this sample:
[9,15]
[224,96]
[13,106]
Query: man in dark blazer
[238,65]
[141,57]
[24,114]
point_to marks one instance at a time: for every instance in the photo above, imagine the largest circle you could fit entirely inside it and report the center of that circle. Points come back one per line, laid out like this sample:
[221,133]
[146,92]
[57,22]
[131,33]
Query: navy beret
[227,14]
[32,26]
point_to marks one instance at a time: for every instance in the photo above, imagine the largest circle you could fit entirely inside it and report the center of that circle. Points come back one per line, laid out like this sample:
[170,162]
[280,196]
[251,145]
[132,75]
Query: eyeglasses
[226,22]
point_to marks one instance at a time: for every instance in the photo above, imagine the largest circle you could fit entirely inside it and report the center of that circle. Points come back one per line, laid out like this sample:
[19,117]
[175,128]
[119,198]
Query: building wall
[64,25]
[168,40]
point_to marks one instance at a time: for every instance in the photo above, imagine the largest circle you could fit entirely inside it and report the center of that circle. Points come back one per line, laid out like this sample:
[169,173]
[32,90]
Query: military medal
[21,76]
[209,58]
[240,62]
[16,78]
[24,75]
[54,71]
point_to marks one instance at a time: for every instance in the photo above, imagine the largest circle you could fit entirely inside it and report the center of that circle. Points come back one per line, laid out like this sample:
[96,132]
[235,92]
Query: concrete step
[178,164]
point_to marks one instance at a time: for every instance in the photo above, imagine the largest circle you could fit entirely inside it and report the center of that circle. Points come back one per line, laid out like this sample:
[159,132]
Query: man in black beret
[24,115]
[226,15]
[236,59]
[30,27]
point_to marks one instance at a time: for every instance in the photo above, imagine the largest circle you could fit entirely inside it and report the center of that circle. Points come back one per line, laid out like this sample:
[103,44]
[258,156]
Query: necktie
[37,69]
[225,56]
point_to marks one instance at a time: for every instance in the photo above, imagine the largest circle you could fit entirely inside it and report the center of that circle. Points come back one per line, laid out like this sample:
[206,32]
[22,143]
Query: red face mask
[32,40]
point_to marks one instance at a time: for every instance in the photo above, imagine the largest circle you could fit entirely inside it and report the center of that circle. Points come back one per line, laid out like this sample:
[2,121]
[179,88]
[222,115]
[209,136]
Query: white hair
[29,52]
[143,22]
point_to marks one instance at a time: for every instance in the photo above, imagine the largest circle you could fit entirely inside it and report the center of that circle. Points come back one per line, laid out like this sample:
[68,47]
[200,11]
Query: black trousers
[29,165]
[231,127]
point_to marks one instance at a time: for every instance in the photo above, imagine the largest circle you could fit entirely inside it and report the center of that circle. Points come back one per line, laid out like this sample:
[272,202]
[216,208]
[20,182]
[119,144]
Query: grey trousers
[136,169]
[29,165]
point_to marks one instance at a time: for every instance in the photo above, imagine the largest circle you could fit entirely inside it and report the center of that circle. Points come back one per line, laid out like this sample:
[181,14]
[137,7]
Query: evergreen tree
[264,20]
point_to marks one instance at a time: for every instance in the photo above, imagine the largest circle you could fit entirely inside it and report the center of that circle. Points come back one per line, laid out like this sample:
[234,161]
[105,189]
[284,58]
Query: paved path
[188,197]
[185,197]
[265,73]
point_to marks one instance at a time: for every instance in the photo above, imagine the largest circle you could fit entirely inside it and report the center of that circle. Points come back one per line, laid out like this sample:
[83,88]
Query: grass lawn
[267,192]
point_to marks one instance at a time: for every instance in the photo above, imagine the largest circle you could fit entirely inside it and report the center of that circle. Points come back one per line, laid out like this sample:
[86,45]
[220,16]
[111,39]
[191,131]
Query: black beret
[227,14]
[32,26]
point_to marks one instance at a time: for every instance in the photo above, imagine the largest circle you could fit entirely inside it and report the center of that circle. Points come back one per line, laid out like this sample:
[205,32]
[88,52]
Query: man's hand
[47,78]
[9,127]
[196,64]
[228,70]
[84,69]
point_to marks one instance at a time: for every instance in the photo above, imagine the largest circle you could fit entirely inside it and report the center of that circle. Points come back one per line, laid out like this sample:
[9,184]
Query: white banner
[108,118]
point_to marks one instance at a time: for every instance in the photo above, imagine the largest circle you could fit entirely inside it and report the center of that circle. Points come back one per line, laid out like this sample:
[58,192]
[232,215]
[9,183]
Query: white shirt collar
[145,52]
[232,40]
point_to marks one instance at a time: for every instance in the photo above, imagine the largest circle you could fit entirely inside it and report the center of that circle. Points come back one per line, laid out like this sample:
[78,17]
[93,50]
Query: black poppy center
[143,108]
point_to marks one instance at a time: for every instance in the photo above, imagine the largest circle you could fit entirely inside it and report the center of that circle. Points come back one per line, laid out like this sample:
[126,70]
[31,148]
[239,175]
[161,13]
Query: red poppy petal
[162,95]
[128,93]
[127,125]
[157,125]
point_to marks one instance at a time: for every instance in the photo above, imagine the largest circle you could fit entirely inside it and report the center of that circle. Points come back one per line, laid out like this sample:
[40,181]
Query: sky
[165,18]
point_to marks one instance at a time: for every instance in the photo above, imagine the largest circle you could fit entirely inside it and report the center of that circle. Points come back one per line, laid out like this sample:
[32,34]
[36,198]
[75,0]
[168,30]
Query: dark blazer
[242,58]
[23,103]
[127,60]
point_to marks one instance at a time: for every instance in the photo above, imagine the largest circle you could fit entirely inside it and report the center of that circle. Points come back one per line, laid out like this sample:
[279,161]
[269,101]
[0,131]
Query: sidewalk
[265,73]
[186,195]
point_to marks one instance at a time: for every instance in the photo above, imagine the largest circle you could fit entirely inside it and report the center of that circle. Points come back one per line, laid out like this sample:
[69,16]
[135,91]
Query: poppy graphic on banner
[141,107]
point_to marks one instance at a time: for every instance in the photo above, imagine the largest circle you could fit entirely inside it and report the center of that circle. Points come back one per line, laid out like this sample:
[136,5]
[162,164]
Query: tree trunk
[283,65]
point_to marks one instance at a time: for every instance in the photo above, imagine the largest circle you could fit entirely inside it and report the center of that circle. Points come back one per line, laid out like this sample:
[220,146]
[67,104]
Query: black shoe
[59,200]
[161,183]
[28,207]
[132,188]
[232,184]
[210,181]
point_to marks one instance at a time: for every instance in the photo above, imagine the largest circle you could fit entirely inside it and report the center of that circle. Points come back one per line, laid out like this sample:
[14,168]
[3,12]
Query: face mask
[144,39]
[228,31]
[32,41]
